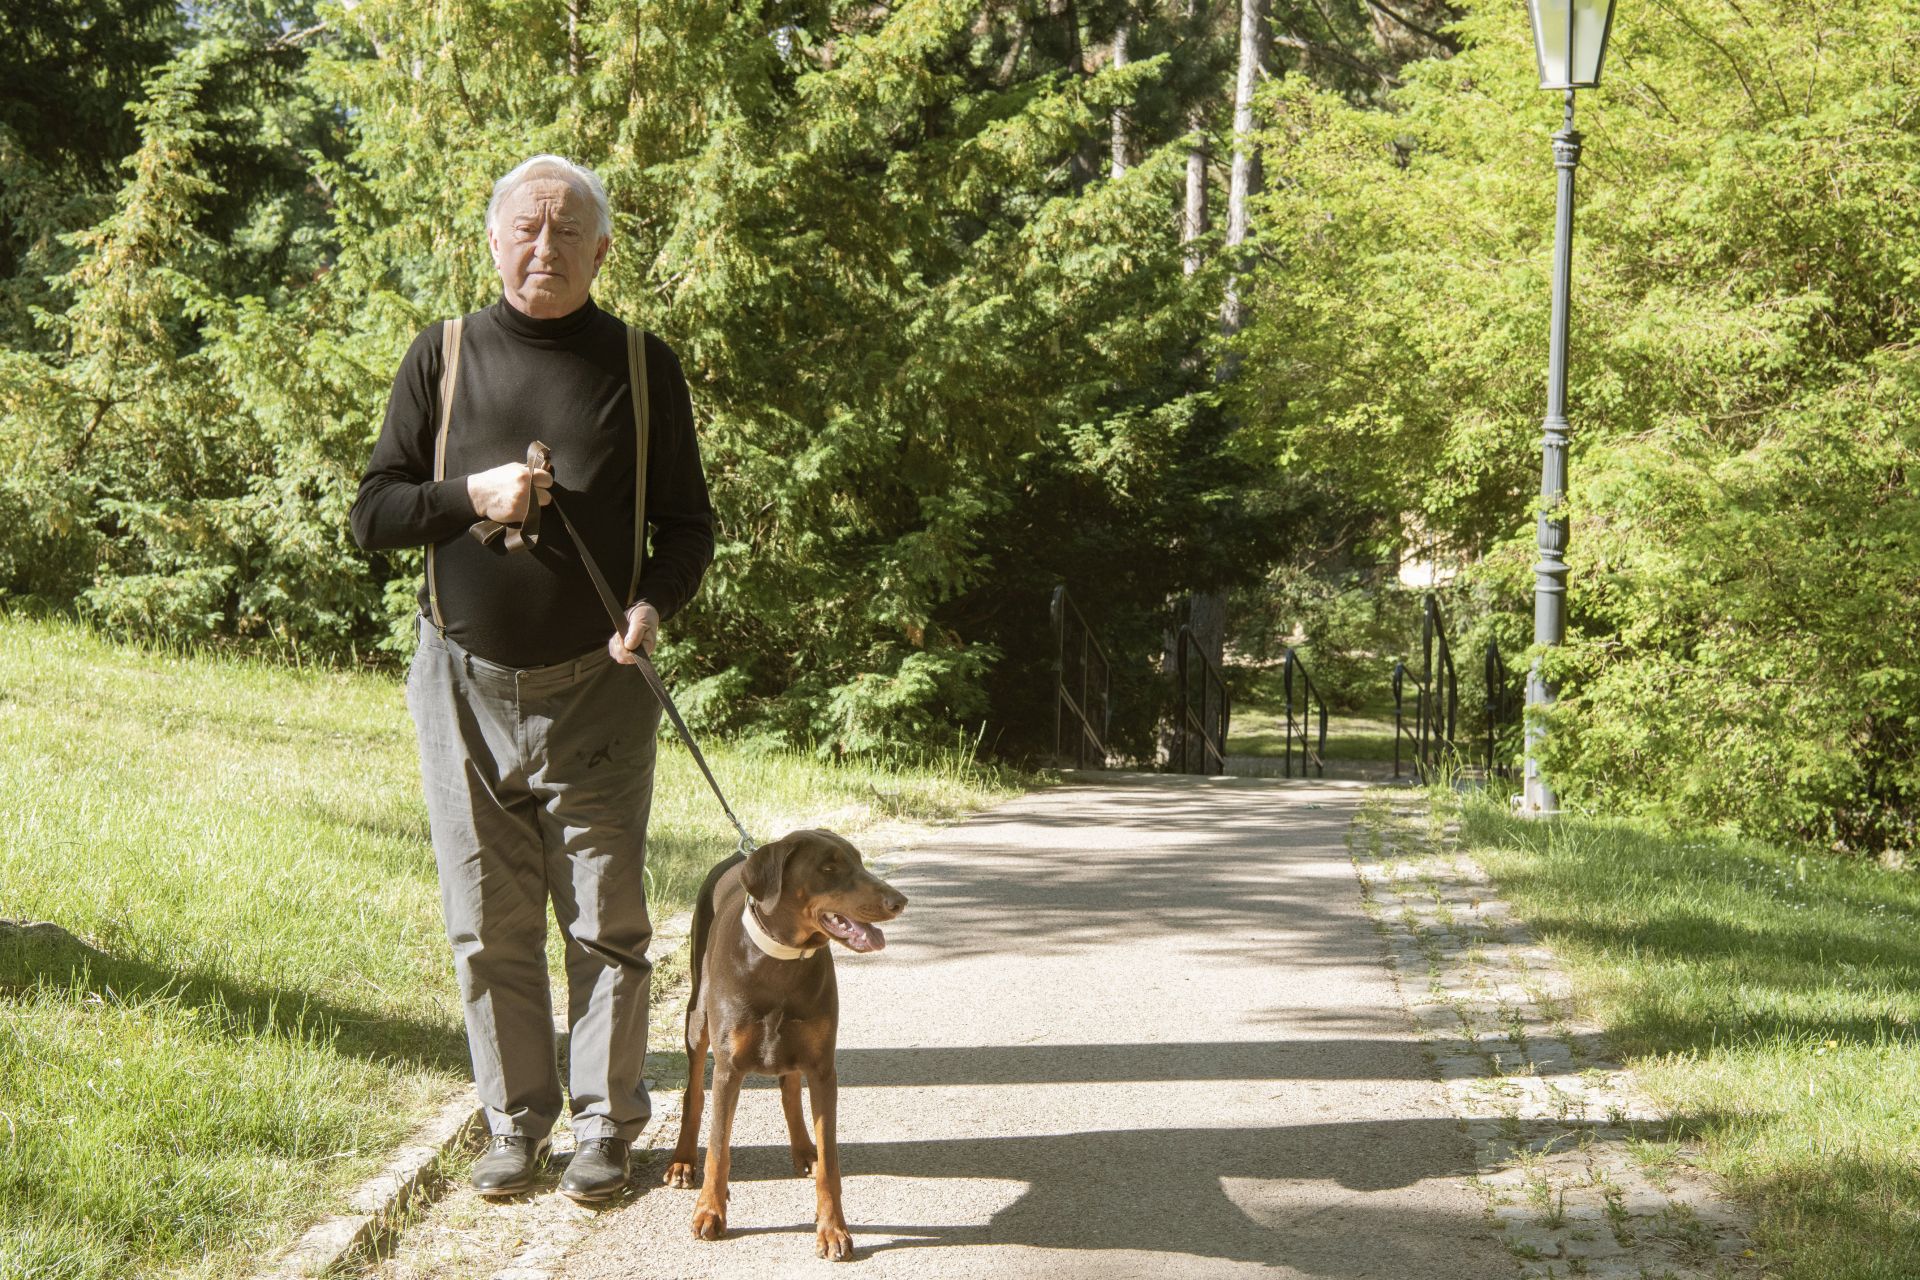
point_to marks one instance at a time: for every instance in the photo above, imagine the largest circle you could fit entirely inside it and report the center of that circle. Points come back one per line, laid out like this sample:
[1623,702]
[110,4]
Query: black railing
[1313,749]
[1443,727]
[1200,732]
[1402,735]
[1080,689]
[1503,710]
[1436,704]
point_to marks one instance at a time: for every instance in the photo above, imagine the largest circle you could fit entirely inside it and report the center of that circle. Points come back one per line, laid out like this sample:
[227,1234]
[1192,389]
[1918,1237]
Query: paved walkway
[1138,1026]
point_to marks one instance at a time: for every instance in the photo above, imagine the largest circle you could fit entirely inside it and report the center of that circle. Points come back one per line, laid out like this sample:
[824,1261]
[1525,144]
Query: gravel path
[1135,1026]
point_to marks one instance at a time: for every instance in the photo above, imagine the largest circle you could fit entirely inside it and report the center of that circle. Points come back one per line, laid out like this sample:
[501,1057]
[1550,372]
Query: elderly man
[536,748]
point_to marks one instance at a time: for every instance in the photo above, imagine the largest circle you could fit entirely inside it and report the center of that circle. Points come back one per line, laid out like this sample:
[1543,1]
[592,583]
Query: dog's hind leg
[801,1145]
[686,1151]
[831,1240]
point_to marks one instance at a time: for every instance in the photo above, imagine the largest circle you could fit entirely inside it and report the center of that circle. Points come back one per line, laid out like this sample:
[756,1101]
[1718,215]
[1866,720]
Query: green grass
[255,1001]
[1768,997]
[1258,725]
[1258,731]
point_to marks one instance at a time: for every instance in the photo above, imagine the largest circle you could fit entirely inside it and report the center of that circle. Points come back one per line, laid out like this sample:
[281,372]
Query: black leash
[652,677]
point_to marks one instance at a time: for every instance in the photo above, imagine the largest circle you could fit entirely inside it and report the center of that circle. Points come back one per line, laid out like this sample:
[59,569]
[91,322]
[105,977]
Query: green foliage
[1348,628]
[1763,599]
[1743,632]
[152,489]
[69,67]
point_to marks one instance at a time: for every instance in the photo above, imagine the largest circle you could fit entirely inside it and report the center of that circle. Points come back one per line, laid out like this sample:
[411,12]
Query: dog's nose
[896,901]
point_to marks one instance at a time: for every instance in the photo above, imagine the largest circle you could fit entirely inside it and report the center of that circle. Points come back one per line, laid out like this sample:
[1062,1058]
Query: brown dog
[764,1001]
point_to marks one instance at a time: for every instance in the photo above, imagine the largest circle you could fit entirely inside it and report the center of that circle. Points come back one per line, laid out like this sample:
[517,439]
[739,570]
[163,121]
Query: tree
[69,67]
[1742,637]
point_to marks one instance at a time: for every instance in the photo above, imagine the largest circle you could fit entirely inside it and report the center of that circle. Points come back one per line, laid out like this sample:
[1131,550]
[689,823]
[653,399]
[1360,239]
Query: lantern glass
[1570,38]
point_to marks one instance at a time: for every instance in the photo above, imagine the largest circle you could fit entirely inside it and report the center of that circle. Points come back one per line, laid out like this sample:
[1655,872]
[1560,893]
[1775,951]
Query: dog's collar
[767,942]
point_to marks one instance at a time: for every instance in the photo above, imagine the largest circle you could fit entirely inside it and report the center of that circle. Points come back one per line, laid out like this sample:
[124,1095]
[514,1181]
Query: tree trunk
[1193,225]
[1207,619]
[1081,164]
[1246,162]
[1120,35]
[1207,610]
[1011,63]
[1193,220]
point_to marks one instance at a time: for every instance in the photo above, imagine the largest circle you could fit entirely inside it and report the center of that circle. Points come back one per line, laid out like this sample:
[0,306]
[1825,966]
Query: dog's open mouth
[858,935]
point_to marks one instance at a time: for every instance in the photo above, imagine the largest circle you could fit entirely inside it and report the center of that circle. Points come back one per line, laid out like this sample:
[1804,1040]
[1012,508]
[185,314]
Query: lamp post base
[1536,802]
[1536,798]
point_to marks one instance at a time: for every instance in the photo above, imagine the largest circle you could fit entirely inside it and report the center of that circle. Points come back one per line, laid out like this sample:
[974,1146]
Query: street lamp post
[1569,39]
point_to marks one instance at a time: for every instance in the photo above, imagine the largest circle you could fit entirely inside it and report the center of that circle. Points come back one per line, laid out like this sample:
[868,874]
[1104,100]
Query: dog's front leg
[710,1211]
[800,1145]
[831,1240]
[687,1149]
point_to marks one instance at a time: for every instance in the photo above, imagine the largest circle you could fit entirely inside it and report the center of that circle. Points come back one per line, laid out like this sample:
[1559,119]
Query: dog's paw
[803,1158]
[709,1223]
[680,1174]
[833,1243]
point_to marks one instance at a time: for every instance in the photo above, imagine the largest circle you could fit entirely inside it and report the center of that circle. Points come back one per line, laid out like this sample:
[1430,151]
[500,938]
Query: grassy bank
[1258,725]
[1262,731]
[1768,997]
[250,999]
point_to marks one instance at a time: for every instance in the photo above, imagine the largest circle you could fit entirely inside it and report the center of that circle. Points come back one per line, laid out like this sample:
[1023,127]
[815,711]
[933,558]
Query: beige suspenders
[642,424]
[449,379]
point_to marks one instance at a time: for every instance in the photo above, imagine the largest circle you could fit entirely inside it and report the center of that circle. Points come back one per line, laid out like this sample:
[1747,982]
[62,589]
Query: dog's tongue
[859,936]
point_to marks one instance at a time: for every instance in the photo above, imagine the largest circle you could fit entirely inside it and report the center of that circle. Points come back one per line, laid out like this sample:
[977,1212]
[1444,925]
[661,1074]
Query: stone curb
[379,1203]
[1552,1118]
[411,1178]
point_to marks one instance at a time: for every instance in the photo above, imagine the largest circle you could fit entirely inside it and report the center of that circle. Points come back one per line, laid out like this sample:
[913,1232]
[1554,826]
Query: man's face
[545,249]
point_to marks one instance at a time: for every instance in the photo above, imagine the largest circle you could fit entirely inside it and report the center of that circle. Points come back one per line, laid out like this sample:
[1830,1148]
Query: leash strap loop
[527,532]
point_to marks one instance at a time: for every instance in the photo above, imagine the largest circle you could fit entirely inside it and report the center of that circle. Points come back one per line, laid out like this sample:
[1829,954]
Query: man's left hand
[642,633]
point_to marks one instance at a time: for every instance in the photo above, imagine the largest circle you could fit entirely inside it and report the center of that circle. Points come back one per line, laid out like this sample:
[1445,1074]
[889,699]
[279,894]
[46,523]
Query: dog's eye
[829,865]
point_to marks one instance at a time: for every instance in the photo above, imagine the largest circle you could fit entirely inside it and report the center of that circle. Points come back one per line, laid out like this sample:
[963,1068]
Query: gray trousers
[538,785]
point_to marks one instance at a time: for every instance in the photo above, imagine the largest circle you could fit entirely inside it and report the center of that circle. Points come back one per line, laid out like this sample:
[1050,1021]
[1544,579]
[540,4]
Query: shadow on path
[1198,1192]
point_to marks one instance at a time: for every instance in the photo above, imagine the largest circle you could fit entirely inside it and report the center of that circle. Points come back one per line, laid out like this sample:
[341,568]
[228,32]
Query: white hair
[579,177]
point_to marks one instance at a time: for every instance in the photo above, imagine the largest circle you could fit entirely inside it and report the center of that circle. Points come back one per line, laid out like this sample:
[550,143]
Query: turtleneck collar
[559,329]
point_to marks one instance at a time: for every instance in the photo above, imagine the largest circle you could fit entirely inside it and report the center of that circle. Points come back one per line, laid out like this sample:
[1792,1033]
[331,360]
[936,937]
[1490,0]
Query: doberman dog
[765,1002]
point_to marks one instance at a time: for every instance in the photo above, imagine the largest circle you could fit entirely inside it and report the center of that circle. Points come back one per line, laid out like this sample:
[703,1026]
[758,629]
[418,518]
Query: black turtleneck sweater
[564,382]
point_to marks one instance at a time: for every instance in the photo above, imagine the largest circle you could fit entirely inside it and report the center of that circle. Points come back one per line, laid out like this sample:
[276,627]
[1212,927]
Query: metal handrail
[1436,704]
[1080,663]
[1443,720]
[1503,708]
[1401,677]
[1211,718]
[1310,750]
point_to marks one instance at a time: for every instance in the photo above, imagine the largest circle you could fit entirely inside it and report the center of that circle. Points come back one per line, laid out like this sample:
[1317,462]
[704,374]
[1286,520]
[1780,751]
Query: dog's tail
[697,941]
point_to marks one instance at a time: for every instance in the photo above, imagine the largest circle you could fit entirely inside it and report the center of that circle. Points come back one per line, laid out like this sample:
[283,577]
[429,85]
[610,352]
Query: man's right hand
[501,494]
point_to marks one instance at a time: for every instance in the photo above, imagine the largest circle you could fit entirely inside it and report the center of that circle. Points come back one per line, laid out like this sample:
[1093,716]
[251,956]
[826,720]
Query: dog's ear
[762,874]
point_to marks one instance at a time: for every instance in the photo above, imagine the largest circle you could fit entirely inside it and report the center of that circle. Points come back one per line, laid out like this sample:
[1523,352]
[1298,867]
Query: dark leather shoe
[598,1170]
[507,1167]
